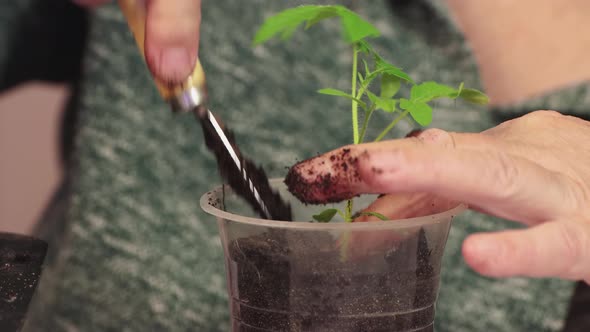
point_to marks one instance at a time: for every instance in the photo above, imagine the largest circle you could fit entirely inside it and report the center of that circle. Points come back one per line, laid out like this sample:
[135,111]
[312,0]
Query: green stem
[391,125]
[366,123]
[355,106]
[361,92]
[355,116]
[349,204]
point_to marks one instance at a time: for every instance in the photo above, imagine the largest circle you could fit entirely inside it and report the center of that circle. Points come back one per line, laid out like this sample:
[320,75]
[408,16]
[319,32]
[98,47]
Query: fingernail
[175,63]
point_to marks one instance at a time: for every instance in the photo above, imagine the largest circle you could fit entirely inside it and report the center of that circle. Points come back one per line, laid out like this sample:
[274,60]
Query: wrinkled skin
[171,37]
[534,170]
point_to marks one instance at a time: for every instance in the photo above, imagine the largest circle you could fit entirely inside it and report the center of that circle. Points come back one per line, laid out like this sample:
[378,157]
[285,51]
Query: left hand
[534,169]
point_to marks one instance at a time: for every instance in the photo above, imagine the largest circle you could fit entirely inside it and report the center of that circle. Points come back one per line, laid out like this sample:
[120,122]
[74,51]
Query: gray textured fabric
[138,254]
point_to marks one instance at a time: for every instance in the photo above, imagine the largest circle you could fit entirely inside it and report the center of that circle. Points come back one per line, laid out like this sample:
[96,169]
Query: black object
[578,316]
[245,178]
[21,260]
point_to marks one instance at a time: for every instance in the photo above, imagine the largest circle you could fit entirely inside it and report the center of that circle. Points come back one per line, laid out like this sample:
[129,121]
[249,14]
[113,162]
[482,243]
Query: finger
[394,207]
[332,177]
[404,206]
[501,184]
[498,183]
[552,249]
[90,3]
[172,38]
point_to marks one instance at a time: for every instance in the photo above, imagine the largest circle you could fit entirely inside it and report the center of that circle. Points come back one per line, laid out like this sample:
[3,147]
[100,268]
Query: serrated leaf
[420,111]
[326,215]
[354,27]
[284,24]
[385,104]
[389,85]
[375,214]
[474,96]
[340,93]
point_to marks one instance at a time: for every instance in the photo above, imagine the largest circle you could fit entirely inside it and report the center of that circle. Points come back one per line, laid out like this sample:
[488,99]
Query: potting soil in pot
[296,281]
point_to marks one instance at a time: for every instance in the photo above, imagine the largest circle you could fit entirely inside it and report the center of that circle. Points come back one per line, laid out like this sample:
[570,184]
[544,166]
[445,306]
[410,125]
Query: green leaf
[375,214]
[288,32]
[326,215]
[385,104]
[461,86]
[340,93]
[384,67]
[323,14]
[474,96]
[354,28]
[334,92]
[389,85]
[428,91]
[420,111]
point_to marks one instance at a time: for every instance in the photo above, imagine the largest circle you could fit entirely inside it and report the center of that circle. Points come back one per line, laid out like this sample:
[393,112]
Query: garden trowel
[243,176]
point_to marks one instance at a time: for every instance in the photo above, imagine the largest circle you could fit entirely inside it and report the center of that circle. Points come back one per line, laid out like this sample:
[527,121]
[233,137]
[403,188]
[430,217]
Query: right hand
[171,37]
[533,169]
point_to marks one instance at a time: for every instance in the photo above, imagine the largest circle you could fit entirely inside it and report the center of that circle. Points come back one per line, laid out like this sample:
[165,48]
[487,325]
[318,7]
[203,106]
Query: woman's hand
[171,38]
[534,170]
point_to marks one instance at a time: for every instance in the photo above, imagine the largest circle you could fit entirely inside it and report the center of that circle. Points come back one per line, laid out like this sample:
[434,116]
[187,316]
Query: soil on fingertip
[311,186]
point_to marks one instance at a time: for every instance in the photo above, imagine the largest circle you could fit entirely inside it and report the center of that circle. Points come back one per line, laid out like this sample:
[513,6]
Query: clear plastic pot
[310,276]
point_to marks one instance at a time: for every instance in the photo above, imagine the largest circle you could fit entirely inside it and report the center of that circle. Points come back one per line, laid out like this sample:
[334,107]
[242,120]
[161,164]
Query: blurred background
[29,155]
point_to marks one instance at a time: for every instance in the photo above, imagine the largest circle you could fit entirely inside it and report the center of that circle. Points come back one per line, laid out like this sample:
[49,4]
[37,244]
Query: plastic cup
[337,276]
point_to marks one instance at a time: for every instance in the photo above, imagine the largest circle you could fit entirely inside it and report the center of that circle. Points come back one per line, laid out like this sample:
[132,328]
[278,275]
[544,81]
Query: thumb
[552,249]
[172,38]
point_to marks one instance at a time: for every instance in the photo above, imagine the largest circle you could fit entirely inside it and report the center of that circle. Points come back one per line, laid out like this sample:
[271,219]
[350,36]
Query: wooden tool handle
[135,14]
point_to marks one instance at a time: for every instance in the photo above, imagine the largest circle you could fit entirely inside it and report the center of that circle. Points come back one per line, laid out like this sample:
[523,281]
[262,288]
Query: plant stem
[348,211]
[391,125]
[355,106]
[355,122]
[366,123]
[361,92]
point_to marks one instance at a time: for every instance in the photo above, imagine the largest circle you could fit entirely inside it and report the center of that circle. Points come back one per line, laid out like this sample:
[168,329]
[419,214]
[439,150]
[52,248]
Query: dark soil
[316,291]
[21,260]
